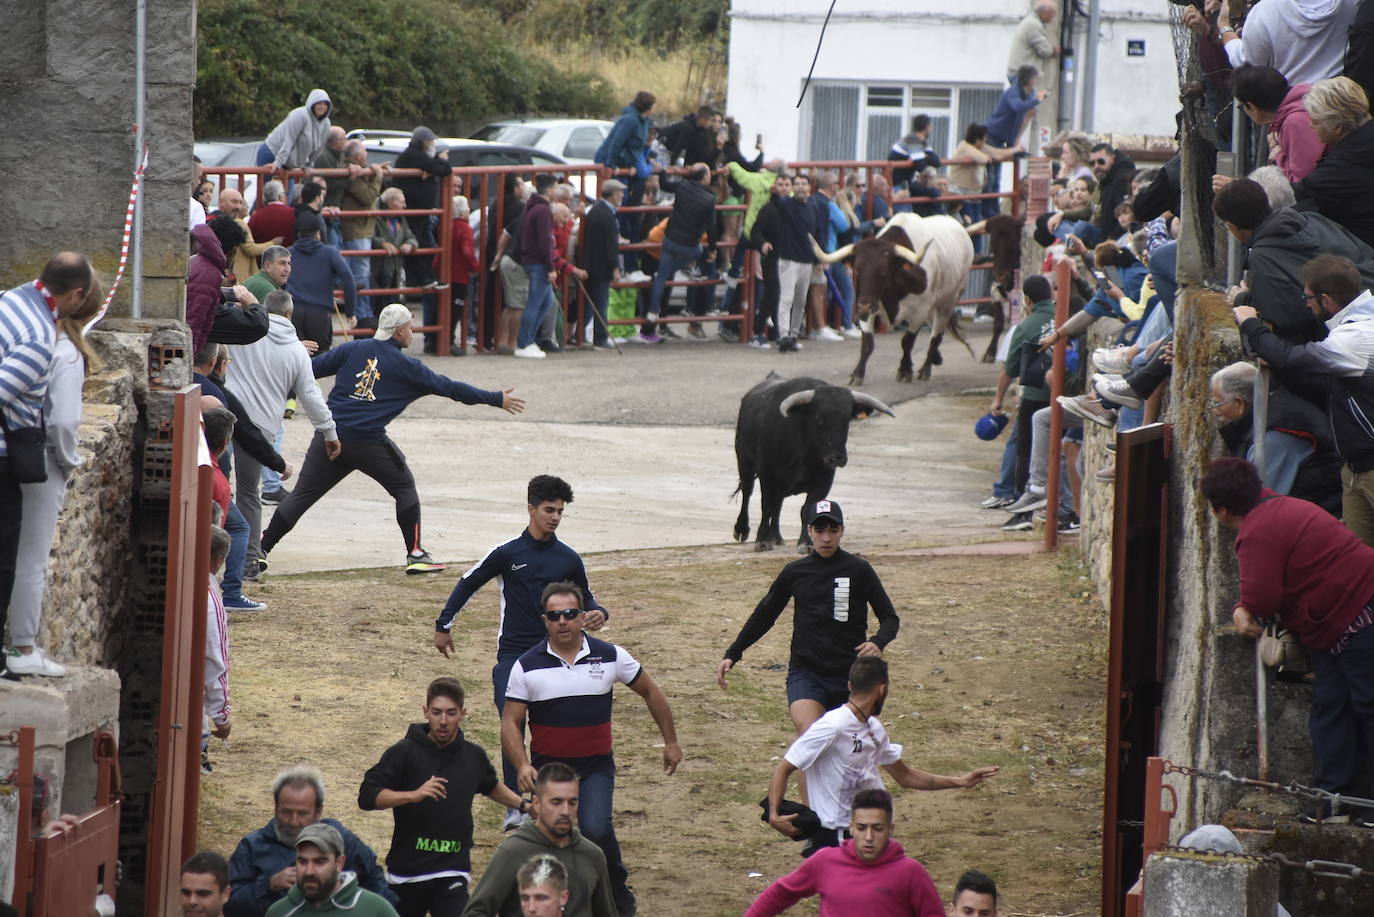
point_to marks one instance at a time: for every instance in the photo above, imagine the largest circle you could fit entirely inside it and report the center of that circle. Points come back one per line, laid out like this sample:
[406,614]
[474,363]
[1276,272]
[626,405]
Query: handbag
[1279,648]
[27,448]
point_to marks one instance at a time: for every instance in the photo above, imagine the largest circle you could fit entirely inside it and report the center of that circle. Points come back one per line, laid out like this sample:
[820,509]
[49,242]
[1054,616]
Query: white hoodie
[1302,39]
[263,374]
[299,138]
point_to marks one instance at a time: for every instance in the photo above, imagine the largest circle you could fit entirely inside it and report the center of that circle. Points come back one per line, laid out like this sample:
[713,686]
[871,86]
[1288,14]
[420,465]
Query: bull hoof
[989,357]
[924,374]
[856,379]
[903,375]
[937,359]
[742,534]
[762,546]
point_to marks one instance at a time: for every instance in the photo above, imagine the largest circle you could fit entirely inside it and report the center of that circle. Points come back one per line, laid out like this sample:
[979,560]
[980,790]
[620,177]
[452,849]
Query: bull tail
[958,333]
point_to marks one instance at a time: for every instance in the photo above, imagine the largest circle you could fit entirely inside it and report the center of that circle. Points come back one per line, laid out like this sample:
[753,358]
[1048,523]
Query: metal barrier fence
[486,185]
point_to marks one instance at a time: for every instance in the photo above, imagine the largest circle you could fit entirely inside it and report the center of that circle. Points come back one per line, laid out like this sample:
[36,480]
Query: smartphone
[1101,278]
[758,140]
[1226,164]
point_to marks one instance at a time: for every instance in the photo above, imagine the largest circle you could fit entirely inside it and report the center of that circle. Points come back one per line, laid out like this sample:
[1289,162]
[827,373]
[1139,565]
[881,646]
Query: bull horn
[872,403]
[830,258]
[910,256]
[796,399]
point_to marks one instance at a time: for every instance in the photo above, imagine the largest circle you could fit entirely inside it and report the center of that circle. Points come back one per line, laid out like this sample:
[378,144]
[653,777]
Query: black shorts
[830,691]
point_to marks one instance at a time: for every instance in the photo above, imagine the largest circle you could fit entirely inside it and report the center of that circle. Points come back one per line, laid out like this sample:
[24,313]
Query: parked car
[464,152]
[572,139]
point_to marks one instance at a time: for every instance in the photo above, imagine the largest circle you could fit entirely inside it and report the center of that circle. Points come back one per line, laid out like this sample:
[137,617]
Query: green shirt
[1037,323]
[260,285]
[758,184]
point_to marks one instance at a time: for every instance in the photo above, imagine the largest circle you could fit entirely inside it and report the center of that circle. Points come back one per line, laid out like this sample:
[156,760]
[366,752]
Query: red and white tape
[124,245]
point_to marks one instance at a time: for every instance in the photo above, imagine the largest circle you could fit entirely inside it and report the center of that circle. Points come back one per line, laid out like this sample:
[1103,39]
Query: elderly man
[263,866]
[275,271]
[360,192]
[316,271]
[393,235]
[262,375]
[601,253]
[245,263]
[275,217]
[1036,42]
[376,382]
[425,154]
[28,339]
[1300,456]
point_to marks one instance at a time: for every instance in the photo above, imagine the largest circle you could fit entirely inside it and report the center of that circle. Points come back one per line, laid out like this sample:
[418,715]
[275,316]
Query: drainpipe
[140,140]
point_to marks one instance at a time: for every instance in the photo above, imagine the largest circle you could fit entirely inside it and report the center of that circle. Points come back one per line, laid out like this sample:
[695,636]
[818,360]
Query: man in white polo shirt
[564,686]
[841,754]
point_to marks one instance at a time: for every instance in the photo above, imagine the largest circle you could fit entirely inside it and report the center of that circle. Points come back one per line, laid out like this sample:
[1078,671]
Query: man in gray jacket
[300,137]
[553,830]
[262,375]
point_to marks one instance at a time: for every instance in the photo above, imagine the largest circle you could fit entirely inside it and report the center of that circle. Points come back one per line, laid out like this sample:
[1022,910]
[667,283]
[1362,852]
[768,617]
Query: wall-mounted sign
[1135,47]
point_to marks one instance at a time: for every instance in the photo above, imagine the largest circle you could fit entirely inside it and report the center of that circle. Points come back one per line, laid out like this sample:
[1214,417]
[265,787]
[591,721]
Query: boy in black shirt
[833,591]
[429,779]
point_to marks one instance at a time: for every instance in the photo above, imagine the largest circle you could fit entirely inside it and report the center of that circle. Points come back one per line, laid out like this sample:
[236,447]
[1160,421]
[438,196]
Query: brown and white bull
[914,270]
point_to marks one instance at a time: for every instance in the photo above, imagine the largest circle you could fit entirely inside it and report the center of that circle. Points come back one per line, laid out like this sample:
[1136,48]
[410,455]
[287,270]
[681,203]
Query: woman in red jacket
[465,267]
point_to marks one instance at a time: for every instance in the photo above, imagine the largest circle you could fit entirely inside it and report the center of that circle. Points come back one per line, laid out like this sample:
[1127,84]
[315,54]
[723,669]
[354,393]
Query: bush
[383,62]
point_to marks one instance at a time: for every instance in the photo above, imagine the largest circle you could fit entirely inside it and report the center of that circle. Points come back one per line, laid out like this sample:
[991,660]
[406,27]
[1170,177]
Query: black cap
[824,509]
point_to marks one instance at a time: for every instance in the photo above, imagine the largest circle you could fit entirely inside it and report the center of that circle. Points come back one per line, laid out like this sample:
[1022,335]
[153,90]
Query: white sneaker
[828,334]
[530,352]
[852,332]
[637,277]
[1111,360]
[35,663]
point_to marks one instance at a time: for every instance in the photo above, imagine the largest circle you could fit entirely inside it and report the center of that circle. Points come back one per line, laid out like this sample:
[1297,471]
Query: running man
[376,382]
[832,591]
[522,567]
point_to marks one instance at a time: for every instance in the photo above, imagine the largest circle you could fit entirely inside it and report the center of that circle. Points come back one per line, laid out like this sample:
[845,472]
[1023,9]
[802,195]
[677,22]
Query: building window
[848,121]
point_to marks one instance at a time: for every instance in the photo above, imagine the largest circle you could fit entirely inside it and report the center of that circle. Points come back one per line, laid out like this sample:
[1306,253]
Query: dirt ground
[999,661]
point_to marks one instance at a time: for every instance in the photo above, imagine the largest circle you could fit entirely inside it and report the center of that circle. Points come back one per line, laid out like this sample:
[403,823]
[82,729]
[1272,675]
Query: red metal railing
[489,181]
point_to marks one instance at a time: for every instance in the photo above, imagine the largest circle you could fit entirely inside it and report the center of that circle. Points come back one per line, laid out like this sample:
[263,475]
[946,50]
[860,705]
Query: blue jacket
[1005,121]
[624,145]
[261,855]
[377,382]
[316,269]
[523,566]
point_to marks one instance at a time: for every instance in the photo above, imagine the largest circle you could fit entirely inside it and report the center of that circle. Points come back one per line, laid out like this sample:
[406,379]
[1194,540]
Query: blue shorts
[830,691]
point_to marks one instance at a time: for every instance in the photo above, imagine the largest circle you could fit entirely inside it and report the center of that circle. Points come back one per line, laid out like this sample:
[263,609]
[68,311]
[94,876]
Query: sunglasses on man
[567,614]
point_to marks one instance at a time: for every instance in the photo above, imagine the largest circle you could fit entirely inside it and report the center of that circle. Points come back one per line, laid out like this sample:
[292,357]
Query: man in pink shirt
[868,874]
[1267,99]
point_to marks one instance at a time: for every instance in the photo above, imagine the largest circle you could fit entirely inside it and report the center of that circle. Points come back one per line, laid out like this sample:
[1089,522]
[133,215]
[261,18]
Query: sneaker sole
[1130,401]
[416,569]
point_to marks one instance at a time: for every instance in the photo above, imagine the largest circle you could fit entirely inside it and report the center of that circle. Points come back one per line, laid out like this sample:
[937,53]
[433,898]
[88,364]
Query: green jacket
[1037,323]
[349,900]
[758,184]
[589,885]
[260,285]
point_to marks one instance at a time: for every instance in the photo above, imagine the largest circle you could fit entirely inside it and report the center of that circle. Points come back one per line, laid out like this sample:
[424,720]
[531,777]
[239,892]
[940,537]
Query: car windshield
[518,134]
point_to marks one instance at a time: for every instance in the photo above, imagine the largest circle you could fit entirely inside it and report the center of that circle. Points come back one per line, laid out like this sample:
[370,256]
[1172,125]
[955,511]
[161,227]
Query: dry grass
[682,79]
[999,661]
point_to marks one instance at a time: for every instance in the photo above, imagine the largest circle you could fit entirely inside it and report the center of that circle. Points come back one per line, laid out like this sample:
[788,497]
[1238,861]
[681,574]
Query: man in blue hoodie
[624,148]
[377,382]
[317,269]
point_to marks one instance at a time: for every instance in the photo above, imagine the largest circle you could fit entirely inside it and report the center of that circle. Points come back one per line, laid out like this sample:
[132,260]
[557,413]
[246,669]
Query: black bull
[791,436]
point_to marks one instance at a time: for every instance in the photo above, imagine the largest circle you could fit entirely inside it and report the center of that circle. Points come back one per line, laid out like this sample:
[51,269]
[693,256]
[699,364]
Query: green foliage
[661,25]
[402,62]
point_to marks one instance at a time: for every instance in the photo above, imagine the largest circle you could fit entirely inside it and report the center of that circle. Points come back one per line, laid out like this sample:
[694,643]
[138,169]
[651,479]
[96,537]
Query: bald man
[246,255]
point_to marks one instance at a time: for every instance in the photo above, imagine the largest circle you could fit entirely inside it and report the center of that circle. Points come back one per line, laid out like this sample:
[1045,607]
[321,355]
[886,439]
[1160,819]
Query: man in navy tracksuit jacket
[522,568]
[316,269]
[376,383]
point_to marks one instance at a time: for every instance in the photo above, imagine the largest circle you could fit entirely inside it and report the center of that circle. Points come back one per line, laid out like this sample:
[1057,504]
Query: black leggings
[314,324]
[381,460]
[444,897]
[1024,434]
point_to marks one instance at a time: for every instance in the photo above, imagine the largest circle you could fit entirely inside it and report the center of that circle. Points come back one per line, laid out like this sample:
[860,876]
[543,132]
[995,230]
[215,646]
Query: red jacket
[272,220]
[203,277]
[890,886]
[1299,148]
[1301,565]
[464,252]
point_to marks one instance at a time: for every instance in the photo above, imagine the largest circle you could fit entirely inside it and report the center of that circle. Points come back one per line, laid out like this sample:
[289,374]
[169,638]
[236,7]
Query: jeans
[362,274]
[1342,712]
[1005,485]
[594,819]
[600,293]
[500,677]
[844,292]
[231,585]
[1163,269]
[1040,460]
[270,479]
[537,305]
[674,258]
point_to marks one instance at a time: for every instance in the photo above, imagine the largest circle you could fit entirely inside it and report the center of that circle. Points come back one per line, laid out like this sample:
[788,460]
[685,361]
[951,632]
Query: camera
[228,295]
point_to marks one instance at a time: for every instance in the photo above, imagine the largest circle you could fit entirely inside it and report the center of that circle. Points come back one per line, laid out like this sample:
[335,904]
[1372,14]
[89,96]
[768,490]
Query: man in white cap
[376,382]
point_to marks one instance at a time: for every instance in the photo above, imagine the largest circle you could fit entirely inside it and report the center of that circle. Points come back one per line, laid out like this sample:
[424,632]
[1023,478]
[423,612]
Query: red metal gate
[176,788]
[1135,673]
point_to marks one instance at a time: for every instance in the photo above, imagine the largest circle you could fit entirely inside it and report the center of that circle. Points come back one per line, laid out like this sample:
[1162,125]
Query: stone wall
[67,78]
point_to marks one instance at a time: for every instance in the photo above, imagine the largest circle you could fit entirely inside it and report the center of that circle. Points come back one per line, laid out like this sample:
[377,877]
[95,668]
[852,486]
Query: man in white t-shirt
[841,754]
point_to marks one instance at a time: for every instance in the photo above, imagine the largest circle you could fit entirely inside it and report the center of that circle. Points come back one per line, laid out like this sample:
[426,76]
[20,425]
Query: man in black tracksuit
[428,780]
[833,591]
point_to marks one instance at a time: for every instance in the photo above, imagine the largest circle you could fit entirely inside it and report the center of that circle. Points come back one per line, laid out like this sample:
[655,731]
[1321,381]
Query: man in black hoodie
[1114,171]
[694,215]
[693,139]
[422,193]
[428,780]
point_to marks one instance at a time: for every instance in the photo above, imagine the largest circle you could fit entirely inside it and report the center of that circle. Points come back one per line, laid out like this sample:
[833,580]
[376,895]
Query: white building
[883,61]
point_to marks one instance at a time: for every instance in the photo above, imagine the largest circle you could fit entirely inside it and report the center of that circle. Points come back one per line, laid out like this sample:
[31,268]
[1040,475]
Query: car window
[537,158]
[500,158]
[518,134]
[583,142]
[375,156]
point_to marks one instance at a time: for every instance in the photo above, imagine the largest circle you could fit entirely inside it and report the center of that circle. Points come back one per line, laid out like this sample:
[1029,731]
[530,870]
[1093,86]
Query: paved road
[646,440]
